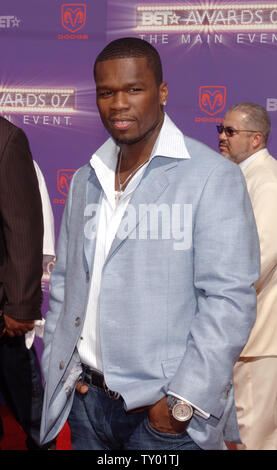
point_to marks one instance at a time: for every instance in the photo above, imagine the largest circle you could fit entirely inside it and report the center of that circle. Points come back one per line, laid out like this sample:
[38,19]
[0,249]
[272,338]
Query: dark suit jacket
[21,227]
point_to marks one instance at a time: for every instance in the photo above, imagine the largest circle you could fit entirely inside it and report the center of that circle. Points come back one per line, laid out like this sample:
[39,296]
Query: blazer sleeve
[21,229]
[226,265]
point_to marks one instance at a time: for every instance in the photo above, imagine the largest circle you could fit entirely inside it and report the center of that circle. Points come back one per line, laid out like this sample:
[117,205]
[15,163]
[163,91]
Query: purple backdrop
[213,57]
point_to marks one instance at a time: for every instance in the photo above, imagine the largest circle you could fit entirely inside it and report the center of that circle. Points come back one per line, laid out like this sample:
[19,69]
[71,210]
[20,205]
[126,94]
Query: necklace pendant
[126,181]
[117,195]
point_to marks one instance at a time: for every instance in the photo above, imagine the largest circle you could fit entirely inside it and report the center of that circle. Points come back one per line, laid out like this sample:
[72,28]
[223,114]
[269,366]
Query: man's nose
[120,100]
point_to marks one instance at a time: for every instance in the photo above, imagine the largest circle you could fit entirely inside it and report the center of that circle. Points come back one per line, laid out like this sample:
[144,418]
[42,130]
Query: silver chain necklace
[120,185]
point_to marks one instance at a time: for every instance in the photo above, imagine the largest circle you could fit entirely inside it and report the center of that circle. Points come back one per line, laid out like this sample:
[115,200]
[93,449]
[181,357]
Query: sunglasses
[229,131]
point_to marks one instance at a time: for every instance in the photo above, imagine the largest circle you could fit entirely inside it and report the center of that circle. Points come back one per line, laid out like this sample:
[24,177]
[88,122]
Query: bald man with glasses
[243,138]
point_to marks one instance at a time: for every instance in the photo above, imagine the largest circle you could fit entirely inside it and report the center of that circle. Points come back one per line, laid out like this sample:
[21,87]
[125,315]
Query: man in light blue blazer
[152,294]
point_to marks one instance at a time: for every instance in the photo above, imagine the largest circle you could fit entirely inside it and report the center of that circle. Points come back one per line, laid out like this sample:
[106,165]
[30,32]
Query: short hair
[124,48]
[256,117]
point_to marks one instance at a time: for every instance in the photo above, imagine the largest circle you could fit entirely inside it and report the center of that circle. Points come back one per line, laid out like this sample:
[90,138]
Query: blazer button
[77,321]
[61,364]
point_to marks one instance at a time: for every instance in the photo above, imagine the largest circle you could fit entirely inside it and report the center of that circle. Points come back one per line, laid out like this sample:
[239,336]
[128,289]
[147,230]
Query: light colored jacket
[261,180]
[169,319]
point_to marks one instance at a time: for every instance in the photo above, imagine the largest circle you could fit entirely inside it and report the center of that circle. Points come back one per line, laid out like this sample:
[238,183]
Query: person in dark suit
[21,238]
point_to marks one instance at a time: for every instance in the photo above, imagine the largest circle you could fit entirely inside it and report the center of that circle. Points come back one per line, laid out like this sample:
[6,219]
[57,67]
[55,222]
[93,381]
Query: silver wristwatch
[180,409]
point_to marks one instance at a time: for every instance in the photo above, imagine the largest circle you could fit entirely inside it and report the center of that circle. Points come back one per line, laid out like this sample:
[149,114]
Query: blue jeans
[100,423]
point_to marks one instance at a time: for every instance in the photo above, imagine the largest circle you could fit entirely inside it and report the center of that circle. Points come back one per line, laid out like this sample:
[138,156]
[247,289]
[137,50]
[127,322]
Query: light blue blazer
[170,319]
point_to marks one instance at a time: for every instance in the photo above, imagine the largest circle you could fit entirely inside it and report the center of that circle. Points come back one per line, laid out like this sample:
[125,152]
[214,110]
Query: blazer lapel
[151,187]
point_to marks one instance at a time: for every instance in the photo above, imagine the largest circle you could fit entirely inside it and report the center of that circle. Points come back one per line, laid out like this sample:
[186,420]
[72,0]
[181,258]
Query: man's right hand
[15,327]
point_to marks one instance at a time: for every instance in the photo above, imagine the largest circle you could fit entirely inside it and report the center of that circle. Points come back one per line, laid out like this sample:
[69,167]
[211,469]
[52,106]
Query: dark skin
[130,104]
[14,327]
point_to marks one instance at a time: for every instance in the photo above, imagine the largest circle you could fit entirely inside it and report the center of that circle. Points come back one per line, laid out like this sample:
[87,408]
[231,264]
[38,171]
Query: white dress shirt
[48,218]
[48,246]
[170,143]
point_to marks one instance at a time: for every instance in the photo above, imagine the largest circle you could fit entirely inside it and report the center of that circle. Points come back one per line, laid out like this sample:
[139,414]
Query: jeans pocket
[164,435]
[155,439]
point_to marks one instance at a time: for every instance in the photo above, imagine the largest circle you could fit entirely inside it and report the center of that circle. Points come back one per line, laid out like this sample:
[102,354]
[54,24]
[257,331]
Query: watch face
[182,412]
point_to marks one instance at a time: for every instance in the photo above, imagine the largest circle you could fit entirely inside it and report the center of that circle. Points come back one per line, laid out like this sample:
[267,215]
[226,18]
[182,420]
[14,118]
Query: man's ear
[163,93]
[257,140]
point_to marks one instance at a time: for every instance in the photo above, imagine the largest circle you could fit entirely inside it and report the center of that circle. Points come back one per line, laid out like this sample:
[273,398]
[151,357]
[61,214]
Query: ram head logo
[74,16]
[63,180]
[212,99]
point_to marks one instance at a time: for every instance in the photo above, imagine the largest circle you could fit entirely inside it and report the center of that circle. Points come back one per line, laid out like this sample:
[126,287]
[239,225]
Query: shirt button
[77,321]
[61,364]
[87,275]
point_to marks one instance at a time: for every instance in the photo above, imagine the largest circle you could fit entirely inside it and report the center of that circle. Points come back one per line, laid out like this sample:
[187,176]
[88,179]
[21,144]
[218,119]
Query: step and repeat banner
[214,54]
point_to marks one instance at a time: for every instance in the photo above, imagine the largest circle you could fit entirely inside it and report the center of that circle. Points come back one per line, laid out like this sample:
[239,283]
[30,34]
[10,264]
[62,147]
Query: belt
[95,378]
